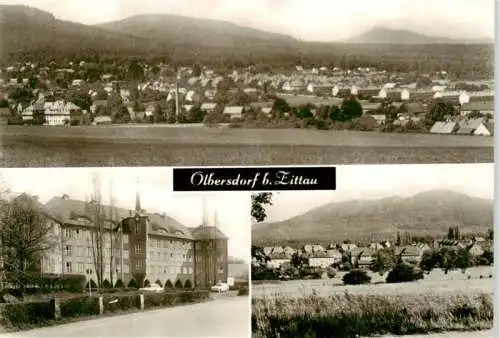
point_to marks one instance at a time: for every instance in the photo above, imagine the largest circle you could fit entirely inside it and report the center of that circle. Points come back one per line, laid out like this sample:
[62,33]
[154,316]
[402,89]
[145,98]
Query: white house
[235,112]
[485,129]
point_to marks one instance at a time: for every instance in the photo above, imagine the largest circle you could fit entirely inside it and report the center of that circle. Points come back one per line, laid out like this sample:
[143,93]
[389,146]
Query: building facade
[135,245]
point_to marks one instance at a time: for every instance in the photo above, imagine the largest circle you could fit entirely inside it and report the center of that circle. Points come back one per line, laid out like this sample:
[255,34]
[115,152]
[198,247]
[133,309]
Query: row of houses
[363,257]
[477,127]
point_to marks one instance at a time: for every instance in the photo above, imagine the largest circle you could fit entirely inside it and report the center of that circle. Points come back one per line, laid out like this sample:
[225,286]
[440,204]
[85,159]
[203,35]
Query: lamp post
[89,274]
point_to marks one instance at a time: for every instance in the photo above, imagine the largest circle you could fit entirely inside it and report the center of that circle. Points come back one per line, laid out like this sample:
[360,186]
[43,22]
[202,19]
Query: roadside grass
[346,316]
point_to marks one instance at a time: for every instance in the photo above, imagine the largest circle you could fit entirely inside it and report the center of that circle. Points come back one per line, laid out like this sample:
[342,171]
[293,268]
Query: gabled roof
[232,110]
[71,212]
[479,105]
[443,127]
[207,232]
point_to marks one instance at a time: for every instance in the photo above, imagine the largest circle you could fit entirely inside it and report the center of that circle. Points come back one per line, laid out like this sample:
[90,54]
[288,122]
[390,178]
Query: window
[108,252]
[125,239]
[68,267]
[139,265]
[68,233]
[81,267]
[165,256]
[137,226]
[126,268]
[151,254]
[68,250]
[80,251]
[159,255]
[138,249]
[89,251]
[125,254]
[158,243]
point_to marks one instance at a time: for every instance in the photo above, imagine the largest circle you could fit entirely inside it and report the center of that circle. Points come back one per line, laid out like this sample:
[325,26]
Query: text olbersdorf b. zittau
[279,178]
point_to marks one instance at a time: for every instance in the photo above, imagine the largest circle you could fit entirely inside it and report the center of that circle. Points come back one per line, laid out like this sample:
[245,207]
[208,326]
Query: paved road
[223,317]
[472,334]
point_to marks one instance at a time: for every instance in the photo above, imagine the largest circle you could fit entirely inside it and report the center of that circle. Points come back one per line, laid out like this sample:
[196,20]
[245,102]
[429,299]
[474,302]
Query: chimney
[65,196]
[130,213]
[163,215]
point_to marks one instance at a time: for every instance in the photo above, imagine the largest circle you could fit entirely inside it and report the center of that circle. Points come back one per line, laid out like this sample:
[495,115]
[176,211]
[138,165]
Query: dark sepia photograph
[222,82]
[114,253]
[397,250]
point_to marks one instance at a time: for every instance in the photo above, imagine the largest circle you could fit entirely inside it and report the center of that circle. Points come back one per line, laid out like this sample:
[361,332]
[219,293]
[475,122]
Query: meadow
[24,146]
[325,308]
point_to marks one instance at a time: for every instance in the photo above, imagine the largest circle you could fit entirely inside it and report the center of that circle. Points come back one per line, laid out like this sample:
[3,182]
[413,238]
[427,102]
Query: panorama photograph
[397,250]
[219,82]
[92,252]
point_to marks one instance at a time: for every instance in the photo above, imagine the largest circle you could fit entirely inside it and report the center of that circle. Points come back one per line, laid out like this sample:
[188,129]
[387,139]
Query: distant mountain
[384,35]
[427,213]
[180,31]
[25,29]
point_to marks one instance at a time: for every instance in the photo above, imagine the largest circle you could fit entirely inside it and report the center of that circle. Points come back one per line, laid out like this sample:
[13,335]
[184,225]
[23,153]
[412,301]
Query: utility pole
[177,78]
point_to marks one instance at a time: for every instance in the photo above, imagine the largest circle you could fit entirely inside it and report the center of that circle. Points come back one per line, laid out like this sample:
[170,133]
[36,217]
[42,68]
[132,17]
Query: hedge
[123,302]
[27,314]
[81,306]
[152,300]
[51,282]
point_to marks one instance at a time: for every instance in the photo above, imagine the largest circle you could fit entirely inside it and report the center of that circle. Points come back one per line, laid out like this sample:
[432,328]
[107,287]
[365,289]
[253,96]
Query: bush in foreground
[356,277]
[79,307]
[25,315]
[404,273]
[346,316]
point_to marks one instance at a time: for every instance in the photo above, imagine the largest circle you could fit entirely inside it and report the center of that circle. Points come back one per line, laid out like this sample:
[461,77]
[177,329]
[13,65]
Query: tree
[101,232]
[451,233]
[355,277]
[82,100]
[259,202]
[351,109]
[404,272]
[299,261]
[26,232]
[398,239]
[384,260]
[122,115]
[430,259]
[438,112]
[280,107]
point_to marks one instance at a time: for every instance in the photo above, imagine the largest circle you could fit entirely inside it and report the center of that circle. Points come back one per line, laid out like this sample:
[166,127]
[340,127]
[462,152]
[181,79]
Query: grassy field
[23,146]
[435,282]
[326,308]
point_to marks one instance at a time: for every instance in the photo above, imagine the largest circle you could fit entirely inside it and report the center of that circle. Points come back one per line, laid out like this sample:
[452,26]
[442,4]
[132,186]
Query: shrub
[73,283]
[331,272]
[152,300]
[187,284]
[119,284]
[121,303]
[404,273]
[355,277]
[81,306]
[178,284]
[22,315]
[132,283]
[106,284]
[169,285]
[93,285]
[243,291]
[147,283]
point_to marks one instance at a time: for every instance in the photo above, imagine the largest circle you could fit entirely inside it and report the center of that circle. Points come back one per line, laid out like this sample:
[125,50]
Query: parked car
[220,287]
[152,288]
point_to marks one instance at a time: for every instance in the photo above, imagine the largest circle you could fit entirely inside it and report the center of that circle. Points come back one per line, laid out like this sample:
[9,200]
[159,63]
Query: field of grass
[23,146]
[435,282]
[326,308]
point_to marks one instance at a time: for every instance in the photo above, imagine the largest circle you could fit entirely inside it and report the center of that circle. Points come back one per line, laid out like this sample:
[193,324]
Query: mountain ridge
[427,213]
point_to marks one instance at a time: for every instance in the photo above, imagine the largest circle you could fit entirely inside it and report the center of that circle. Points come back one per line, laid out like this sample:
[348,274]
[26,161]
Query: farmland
[438,303]
[156,145]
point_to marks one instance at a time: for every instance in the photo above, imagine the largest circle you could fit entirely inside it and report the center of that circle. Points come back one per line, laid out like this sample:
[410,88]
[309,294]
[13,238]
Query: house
[415,109]
[294,86]
[278,259]
[411,253]
[444,127]
[475,250]
[102,120]
[369,107]
[235,112]
[348,247]
[267,111]
[208,107]
[98,105]
[268,250]
[322,259]
[366,257]
[482,107]
[485,129]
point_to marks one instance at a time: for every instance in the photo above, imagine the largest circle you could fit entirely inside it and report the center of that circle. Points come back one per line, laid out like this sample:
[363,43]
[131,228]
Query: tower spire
[216,219]
[205,216]
[137,199]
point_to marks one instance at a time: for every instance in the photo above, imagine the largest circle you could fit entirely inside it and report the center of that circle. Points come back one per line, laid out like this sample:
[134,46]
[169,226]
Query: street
[222,317]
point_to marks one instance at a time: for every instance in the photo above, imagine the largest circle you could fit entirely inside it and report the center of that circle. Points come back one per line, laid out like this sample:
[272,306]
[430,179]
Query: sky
[362,182]
[155,187]
[318,20]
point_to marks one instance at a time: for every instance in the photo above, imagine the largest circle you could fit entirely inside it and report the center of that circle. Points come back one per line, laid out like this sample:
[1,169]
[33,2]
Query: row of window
[168,256]
[82,251]
[82,234]
[84,268]
[159,269]
[167,243]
